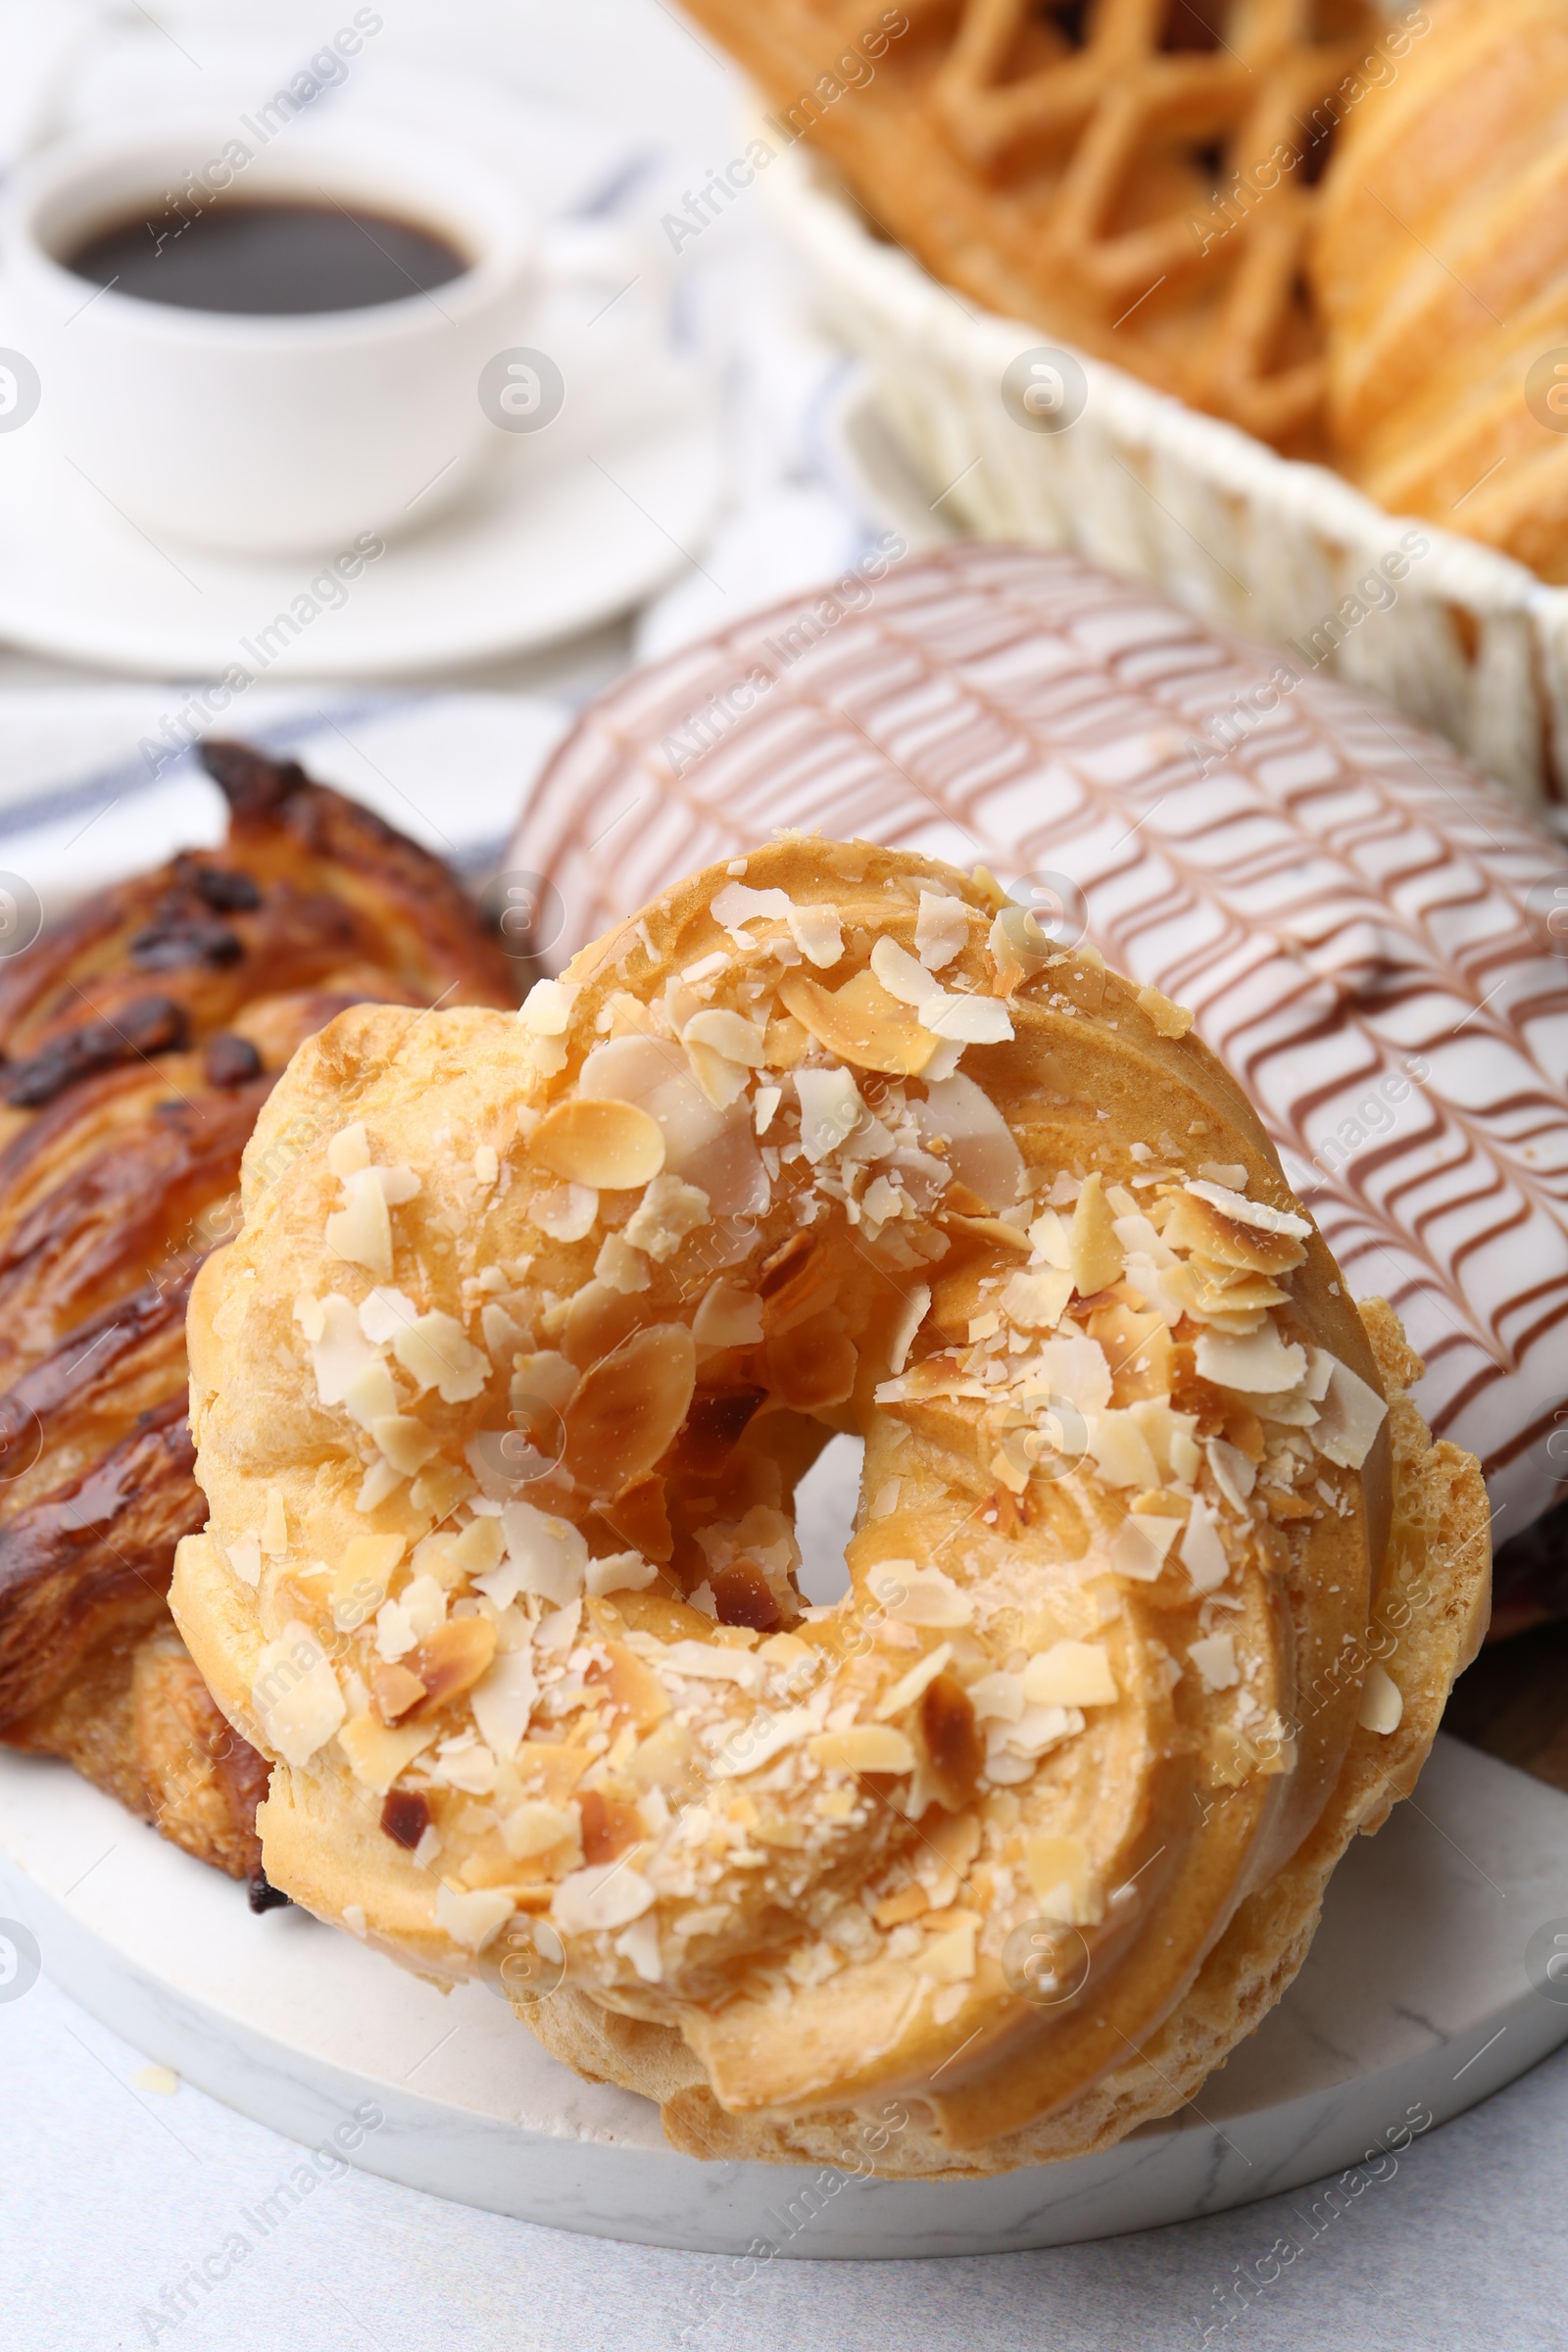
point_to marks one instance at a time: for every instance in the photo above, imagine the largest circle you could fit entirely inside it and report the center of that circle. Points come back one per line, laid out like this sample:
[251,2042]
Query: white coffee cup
[266,434]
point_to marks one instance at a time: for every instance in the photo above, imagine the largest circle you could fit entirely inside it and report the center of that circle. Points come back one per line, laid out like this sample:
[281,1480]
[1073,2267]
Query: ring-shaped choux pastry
[501,1395]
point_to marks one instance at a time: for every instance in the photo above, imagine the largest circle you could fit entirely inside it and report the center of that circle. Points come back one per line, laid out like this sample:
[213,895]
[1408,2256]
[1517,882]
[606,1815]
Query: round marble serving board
[1413,2004]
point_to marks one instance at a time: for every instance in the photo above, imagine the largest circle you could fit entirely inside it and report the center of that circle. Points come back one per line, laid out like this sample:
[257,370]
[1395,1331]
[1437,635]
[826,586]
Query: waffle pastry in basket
[1440,268]
[1113,171]
[140,1036]
[1019,1838]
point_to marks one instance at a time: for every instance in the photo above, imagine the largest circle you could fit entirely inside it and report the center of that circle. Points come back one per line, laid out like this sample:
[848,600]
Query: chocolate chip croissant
[138,1038]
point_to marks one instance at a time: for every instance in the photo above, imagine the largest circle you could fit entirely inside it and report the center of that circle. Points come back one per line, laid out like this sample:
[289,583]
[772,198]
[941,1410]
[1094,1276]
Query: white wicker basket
[1476,646]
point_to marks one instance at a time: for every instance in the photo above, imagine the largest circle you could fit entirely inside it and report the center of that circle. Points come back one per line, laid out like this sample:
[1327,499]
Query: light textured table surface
[111,2192]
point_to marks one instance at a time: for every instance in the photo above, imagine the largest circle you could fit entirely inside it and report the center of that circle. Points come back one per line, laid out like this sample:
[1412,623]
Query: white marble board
[1414,2003]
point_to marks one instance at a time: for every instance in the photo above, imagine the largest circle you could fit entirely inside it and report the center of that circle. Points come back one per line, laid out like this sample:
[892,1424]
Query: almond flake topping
[968,1021]
[941,929]
[608,1145]
[1214,1658]
[546,1010]
[1263,1362]
[1242,1212]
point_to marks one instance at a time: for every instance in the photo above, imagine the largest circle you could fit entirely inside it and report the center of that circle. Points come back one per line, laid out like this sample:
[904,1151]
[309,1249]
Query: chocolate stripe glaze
[1355,915]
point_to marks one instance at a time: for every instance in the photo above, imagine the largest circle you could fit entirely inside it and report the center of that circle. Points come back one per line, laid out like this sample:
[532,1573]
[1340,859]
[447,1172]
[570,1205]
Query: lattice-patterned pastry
[139,1040]
[1137,177]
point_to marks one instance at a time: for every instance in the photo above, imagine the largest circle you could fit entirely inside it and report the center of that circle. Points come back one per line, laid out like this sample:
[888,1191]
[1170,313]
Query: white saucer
[1413,2004]
[544,549]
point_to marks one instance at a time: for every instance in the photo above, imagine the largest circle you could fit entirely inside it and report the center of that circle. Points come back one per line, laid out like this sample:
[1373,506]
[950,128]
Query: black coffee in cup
[268,258]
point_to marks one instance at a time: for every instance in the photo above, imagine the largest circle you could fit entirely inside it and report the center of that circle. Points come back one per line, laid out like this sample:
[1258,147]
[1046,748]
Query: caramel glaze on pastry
[141,1035]
[501,1398]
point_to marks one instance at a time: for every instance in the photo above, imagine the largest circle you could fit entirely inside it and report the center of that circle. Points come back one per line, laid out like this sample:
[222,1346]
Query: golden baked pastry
[1440,262]
[1136,176]
[140,1036]
[501,1397]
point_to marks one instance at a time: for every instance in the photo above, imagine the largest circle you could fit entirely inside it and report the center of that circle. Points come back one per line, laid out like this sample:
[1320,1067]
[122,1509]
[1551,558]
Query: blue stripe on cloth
[129,779]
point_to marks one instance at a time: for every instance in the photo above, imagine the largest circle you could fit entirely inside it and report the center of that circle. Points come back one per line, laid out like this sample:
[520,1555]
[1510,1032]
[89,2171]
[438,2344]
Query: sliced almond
[787,1042]
[621,1266]
[536,1826]
[992,1229]
[606,1144]
[1139,1351]
[551,1768]
[729,1316]
[1140,1543]
[908,1903]
[861,1023]
[667,1759]
[630,1407]
[396,1691]
[818,933]
[949,1958]
[439,1487]
[941,929]
[913,1685]
[1059,1872]
[1350,1419]
[833,1111]
[296,1695]
[669,1211]
[349,1151]
[727,1034]
[376,1754]
[955,1752]
[1199,1228]
[813,1365]
[721,1079]
[953,1838]
[1170,1020]
[600,1317]
[1382,1703]
[405,1440]
[1070,1674]
[1232,1202]
[1163,1503]
[1037,1300]
[433,1351]
[547,1008]
[370,1395]
[452,1659]
[362,1229]
[566,1212]
[1018,949]
[1264,1363]
[479,1548]
[1214,1658]
[638,1516]
[363,1576]
[1207,1291]
[863,1747]
[1098,1257]
[1121,1451]
[631,1687]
